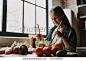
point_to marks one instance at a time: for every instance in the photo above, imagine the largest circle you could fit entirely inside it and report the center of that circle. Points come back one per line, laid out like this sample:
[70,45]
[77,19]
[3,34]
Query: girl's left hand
[59,34]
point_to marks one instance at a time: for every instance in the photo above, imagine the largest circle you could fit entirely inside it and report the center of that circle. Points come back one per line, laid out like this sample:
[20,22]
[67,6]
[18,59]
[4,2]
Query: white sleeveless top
[56,39]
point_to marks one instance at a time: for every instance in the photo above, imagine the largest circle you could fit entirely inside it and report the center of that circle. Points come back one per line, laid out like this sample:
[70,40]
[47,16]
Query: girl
[66,34]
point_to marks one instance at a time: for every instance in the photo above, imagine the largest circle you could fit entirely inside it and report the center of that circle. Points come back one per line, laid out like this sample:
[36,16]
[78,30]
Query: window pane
[41,19]
[29,18]
[41,3]
[32,1]
[0,15]
[14,15]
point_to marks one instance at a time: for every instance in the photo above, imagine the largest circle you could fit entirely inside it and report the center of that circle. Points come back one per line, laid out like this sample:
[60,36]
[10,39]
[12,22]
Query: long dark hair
[58,10]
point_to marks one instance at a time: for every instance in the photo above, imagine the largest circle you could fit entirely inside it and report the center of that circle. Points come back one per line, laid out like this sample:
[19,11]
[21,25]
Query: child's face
[55,19]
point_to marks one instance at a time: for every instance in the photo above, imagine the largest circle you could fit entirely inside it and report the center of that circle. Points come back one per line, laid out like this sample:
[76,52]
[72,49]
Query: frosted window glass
[0,15]
[14,15]
[32,1]
[29,18]
[41,19]
[41,3]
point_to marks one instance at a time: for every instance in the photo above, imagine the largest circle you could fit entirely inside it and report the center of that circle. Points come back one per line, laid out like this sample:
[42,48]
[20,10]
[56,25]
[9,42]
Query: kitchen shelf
[82,31]
[83,16]
[80,47]
[81,5]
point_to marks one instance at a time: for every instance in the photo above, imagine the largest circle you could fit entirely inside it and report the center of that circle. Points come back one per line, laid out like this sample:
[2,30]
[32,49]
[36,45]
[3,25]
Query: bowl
[42,43]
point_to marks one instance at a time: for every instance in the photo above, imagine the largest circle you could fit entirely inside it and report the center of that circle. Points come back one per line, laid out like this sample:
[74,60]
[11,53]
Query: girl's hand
[39,36]
[59,34]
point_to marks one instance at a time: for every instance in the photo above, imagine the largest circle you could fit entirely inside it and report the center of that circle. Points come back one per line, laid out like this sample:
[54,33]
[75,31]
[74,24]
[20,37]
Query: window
[0,15]
[29,19]
[20,17]
[14,15]
[36,10]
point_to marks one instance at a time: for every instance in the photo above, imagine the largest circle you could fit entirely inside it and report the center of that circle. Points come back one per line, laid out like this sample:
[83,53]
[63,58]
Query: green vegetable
[46,43]
[19,44]
[26,43]
[61,53]
[14,44]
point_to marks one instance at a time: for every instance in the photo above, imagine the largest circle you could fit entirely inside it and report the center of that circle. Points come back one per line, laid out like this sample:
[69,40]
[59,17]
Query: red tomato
[47,51]
[54,50]
[39,51]
[49,47]
[16,49]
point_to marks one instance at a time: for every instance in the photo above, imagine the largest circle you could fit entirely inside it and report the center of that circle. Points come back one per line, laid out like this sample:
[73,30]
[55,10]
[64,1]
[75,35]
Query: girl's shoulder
[68,31]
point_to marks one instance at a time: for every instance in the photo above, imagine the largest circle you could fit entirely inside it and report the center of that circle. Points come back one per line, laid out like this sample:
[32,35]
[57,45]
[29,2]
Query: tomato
[54,50]
[47,51]
[39,51]
[16,49]
[50,47]
[59,46]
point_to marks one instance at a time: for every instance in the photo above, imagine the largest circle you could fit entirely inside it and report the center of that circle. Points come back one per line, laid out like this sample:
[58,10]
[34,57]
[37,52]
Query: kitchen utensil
[39,32]
[55,34]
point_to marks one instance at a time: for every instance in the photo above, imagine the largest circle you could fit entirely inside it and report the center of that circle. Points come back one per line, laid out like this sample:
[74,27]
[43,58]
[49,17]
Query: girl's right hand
[39,36]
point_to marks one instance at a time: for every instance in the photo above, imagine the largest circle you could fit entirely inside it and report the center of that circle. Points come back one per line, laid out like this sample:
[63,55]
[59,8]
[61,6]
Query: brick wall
[70,4]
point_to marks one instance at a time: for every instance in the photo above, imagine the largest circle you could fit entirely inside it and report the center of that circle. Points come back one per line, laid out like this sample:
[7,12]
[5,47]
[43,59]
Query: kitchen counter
[79,53]
[75,54]
[69,54]
[18,55]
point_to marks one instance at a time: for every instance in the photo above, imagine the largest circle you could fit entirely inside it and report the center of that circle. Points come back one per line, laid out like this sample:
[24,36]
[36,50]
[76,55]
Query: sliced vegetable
[30,50]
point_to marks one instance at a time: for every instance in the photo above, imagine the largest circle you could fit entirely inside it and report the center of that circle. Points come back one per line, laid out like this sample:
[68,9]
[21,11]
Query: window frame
[4,21]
